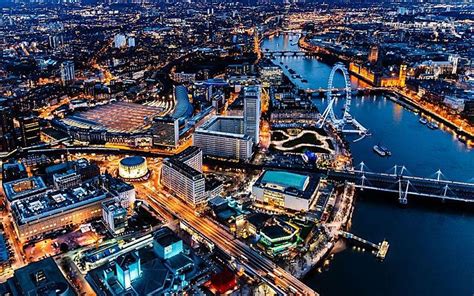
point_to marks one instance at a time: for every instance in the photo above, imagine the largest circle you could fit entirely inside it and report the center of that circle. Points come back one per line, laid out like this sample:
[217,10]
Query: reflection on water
[431,248]
[397,112]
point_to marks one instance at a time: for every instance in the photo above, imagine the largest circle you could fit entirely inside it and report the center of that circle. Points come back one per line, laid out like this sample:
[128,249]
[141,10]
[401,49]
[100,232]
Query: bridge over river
[406,185]
[288,53]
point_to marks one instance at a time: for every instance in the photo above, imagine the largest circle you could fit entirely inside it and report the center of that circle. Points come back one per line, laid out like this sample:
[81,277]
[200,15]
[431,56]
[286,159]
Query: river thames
[431,246]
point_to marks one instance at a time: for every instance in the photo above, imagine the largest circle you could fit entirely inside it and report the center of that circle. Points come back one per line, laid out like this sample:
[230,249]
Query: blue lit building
[166,244]
[183,109]
[128,268]
[13,171]
[165,268]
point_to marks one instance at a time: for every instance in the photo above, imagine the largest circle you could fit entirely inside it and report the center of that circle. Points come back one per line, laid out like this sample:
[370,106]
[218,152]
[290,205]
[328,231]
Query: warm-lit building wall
[69,217]
[362,72]
[369,76]
[188,187]
[389,82]
[403,75]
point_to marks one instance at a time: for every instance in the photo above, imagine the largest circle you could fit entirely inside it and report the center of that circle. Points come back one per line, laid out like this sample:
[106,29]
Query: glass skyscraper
[252,112]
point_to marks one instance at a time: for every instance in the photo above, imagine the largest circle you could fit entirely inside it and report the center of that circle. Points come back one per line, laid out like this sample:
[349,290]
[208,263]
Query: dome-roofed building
[133,168]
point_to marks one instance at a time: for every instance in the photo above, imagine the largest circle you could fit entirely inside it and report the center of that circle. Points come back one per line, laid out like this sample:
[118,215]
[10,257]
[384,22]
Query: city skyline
[264,147]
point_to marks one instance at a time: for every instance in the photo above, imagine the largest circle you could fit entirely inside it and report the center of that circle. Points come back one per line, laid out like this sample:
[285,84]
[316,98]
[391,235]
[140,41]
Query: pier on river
[380,250]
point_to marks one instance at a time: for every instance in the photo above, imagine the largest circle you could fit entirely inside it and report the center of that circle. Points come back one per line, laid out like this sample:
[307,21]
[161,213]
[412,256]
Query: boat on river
[423,120]
[433,125]
[381,150]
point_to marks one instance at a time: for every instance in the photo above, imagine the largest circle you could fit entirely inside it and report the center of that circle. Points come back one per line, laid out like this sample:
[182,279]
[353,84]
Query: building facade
[165,131]
[252,112]
[30,131]
[34,217]
[223,137]
[183,181]
[191,156]
[67,72]
[285,190]
[114,216]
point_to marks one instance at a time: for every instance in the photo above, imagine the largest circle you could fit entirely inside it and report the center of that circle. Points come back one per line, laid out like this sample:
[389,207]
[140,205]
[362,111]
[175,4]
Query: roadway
[18,254]
[284,282]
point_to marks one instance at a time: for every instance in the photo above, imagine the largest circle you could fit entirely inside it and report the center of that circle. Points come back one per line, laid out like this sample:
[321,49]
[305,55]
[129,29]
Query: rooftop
[285,179]
[125,260]
[14,166]
[183,108]
[224,126]
[217,201]
[301,186]
[165,237]
[132,161]
[258,219]
[274,231]
[36,207]
[116,185]
[179,262]
[39,278]
[57,168]
[187,153]
[154,279]
[183,168]
[115,117]
[212,183]
[23,187]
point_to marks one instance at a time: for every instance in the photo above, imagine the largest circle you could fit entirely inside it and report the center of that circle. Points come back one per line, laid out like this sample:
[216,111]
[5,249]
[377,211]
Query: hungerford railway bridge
[399,181]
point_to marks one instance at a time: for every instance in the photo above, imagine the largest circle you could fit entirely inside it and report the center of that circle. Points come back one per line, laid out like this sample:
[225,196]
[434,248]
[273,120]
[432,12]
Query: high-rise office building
[165,131]
[184,181]
[120,41]
[182,174]
[7,138]
[30,131]
[67,72]
[55,41]
[222,136]
[252,111]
